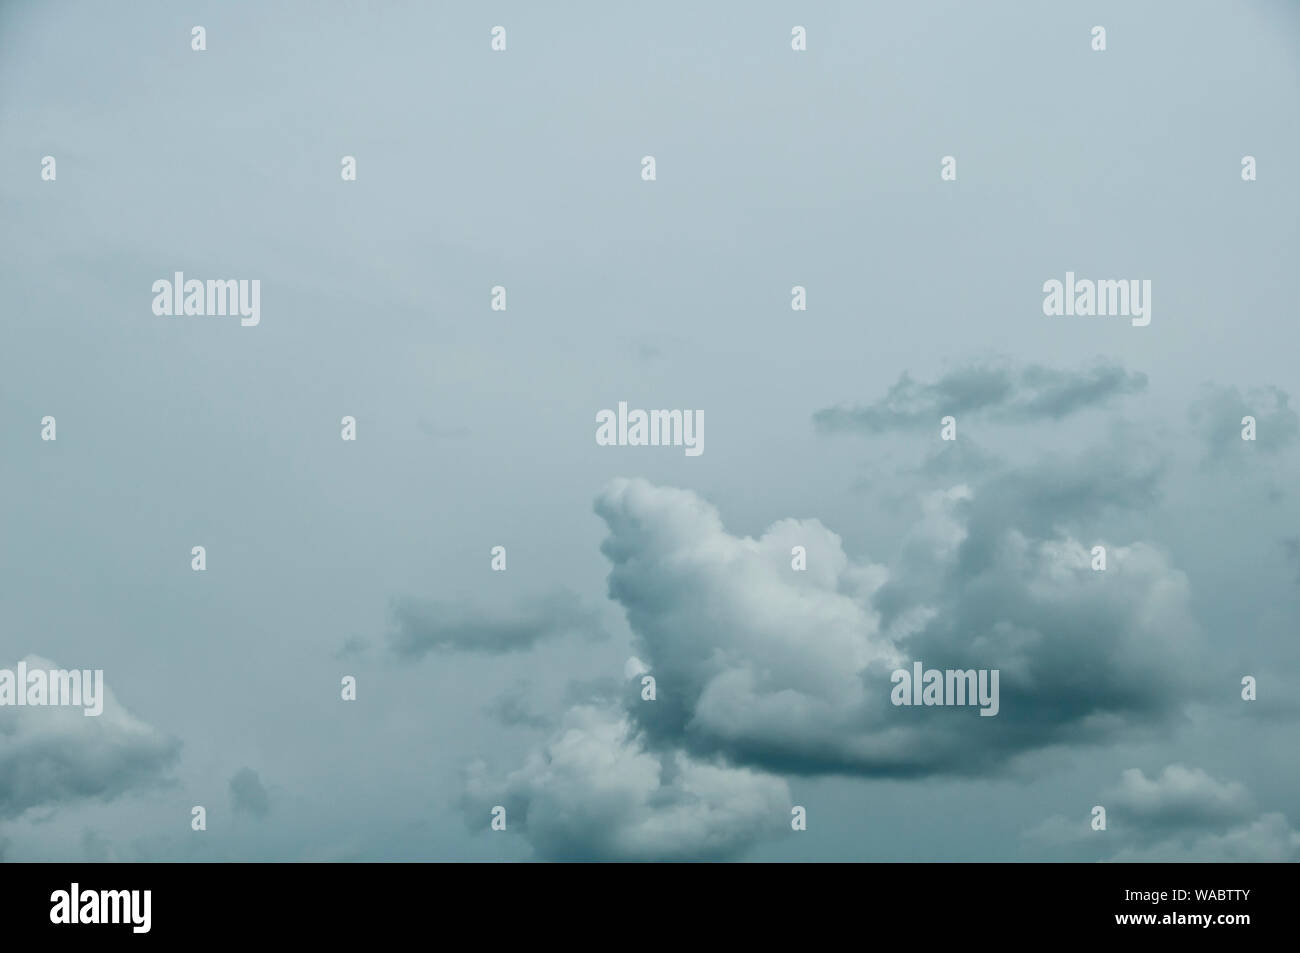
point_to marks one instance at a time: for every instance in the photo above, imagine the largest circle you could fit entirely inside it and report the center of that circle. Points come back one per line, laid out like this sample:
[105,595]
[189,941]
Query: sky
[475,428]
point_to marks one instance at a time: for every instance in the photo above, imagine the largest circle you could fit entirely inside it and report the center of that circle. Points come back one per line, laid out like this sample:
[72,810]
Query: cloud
[1183,814]
[1178,799]
[51,756]
[790,671]
[1058,494]
[762,670]
[1030,393]
[247,795]
[422,627]
[596,792]
[1267,838]
[1217,416]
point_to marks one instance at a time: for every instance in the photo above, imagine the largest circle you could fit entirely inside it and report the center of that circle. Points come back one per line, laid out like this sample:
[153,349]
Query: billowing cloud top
[790,670]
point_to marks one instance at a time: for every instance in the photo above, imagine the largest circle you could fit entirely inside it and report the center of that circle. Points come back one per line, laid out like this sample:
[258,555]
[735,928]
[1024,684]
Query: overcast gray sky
[475,428]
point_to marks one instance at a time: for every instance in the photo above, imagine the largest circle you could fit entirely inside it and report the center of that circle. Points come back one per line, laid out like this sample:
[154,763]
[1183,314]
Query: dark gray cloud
[248,795]
[421,627]
[1061,493]
[1033,392]
[54,756]
[789,671]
